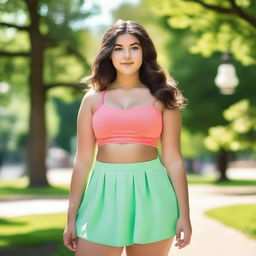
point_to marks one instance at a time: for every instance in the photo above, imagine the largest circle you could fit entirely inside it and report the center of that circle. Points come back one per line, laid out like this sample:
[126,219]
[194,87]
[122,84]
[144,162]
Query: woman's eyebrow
[130,44]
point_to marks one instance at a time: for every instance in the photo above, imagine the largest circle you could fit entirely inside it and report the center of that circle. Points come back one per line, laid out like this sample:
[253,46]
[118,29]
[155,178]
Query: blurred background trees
[205,30]
[45,49]
[41,51]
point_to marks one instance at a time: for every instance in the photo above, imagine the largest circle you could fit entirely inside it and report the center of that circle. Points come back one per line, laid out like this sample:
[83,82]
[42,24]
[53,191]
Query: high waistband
[138,166]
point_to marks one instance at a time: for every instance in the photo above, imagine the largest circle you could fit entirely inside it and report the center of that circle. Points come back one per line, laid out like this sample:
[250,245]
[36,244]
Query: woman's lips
[127,64]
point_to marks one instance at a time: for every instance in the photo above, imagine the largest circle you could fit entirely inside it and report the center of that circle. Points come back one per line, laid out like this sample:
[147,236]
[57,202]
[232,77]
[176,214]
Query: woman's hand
[183,225]
[69,236]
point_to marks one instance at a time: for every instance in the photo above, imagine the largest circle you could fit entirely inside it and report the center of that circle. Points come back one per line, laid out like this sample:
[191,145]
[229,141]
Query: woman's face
[127,49]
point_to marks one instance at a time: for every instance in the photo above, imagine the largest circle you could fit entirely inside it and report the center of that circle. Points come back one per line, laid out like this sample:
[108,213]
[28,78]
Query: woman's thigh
[160,248]
[88,248]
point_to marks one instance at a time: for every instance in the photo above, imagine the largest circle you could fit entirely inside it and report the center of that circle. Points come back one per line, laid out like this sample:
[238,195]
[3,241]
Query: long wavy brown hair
[160,84]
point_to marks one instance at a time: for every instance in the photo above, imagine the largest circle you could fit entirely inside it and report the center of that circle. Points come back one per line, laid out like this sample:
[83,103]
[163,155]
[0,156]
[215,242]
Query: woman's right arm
[83,161]
[84,157]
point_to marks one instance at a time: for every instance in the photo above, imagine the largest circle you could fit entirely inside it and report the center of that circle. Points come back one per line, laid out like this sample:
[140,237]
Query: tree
[207,27]
[195,74]
[238,135]
[222,25]
[48,26]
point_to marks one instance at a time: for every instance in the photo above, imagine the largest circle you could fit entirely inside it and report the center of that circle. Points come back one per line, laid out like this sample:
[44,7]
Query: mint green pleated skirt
[128,203]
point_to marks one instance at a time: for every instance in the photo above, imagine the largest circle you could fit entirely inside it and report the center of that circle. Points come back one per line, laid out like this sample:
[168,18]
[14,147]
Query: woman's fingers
[70,241]
[178,237]
[184,242]
[74,242]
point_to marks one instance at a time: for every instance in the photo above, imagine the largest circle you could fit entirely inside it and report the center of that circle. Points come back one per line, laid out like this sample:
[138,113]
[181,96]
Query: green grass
[34,230]
[211,179]
[63,251]
[241,217]
[31,230]
[19,187]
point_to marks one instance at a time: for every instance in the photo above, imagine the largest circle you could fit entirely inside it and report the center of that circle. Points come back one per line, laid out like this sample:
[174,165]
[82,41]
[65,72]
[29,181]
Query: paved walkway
[209,238]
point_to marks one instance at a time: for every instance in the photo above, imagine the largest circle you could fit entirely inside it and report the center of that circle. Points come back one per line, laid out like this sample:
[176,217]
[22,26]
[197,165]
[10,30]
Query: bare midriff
[126,153]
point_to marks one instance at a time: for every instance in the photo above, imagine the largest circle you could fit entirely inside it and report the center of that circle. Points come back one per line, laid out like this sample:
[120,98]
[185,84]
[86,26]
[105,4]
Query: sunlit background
[207,46]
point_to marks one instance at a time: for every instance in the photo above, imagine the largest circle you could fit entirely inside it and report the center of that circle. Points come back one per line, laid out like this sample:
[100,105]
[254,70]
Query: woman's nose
[127,53]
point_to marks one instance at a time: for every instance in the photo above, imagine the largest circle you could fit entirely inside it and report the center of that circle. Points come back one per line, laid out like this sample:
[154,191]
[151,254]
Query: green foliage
[14,41]
[52,119]
[214,31]
[65,61]
[61,66]
[239,134]
[58,18]
[14,124]
[62,56]
[195,74]
[15,71]
[192,144]
[12,10]
[68,115]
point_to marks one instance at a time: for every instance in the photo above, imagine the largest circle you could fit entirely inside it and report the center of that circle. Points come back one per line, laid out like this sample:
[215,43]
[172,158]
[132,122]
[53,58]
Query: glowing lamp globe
[226,78]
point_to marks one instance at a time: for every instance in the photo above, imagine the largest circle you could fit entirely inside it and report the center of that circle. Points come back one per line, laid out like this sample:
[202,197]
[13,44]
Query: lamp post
[4,87]
[226,78]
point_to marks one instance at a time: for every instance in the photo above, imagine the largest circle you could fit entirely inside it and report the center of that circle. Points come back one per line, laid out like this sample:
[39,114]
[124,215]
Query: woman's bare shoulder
[91,96]
[159,105]
[91,99]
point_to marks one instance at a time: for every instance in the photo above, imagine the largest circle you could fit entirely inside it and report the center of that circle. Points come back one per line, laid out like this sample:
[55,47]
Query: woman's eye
[134,48]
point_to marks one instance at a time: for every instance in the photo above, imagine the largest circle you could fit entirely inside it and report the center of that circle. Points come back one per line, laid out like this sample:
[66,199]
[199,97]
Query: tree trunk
[222,163]
[37,147]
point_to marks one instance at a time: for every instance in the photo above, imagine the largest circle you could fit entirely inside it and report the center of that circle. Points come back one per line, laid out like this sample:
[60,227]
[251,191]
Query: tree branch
[79,56]
[4,24]
[241,14]
[53,85]
[15,54]
[234,10]
[212,7]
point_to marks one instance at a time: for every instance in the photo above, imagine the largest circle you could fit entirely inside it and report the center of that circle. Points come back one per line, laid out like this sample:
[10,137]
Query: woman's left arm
[174,165]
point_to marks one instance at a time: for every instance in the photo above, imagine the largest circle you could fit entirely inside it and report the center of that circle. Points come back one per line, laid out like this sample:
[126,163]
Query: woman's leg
[88,248]
[160,248]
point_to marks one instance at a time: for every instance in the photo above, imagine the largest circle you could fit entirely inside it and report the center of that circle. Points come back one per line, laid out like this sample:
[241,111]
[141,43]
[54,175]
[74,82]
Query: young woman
[131,198]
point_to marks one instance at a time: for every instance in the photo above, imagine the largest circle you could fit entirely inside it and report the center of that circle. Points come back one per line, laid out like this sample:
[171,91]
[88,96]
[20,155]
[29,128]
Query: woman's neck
[127,82]
[112,86]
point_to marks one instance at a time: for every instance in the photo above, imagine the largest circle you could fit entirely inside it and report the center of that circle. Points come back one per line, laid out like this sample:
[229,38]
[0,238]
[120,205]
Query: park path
[209,238]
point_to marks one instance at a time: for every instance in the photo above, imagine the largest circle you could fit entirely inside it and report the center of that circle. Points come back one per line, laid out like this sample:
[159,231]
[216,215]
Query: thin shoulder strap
[102,97]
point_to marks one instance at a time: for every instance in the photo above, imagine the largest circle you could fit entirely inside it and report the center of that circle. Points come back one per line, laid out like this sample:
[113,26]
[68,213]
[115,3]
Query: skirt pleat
[128,203]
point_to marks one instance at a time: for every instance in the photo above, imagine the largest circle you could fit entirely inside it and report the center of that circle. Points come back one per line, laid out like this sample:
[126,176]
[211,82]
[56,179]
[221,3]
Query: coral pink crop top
[142,125]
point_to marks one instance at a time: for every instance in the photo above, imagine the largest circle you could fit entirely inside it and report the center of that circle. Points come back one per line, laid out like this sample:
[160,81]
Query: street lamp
[226,78]
[4,87]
